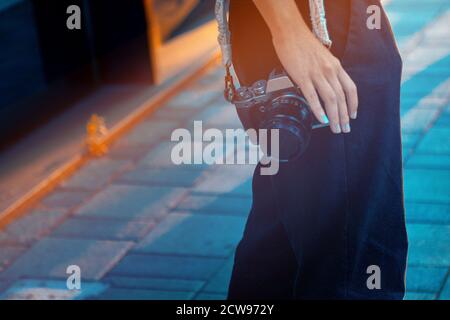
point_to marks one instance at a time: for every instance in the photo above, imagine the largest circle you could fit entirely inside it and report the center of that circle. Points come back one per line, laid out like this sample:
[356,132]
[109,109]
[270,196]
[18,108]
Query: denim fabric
[316,226]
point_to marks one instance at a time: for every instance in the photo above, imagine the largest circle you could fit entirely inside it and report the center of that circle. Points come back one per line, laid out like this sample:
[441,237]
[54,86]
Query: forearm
[284,20]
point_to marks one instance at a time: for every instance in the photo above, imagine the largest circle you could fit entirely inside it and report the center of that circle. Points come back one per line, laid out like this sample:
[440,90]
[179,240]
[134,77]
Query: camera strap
[317,12]
[224,39]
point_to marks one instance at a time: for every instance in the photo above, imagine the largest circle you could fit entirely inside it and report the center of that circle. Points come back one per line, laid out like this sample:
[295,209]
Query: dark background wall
[120,40]
[44,66]
[21,69]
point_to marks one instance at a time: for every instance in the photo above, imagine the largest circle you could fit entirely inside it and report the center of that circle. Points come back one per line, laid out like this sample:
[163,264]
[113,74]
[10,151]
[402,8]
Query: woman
[329,225]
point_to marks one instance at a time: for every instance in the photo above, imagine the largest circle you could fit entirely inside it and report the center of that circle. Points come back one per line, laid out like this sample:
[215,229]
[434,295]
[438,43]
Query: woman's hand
[318,73]
[311,65]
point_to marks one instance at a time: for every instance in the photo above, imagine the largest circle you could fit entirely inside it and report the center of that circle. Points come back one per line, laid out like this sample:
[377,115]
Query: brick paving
[140,227]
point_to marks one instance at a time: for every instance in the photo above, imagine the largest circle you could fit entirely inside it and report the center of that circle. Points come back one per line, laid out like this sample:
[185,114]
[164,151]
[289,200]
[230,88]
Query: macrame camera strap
[319,21]
[319,25]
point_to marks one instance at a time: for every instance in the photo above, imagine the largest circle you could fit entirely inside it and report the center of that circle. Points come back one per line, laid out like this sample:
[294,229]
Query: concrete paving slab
[140,294]
[432,213]
[436,141]
[418,120]
[31,289]
[178,176]
[158,284]
[103,229]
[184,234]
[160,156]
[144,136]
[65,199]
[132,202]
[216,204]
[222,116]
[8,254]
[443,121]
[167,266]
[420,296]
[428,161]
[96,174]
[219,282]
[445,294]
[410,139]
[50,257]
[210,296]
[424,279]
[428,245]
[194,99]
[423,185]
[31,227]
[231,180]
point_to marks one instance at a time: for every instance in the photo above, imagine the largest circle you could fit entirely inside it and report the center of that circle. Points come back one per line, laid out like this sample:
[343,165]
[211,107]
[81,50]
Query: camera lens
[290,115]
[293,138]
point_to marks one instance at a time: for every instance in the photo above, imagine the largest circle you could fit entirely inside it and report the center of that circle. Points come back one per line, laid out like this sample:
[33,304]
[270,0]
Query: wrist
[286,36]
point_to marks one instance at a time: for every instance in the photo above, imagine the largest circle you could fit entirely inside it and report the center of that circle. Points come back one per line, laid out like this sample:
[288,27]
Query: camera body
[277,103]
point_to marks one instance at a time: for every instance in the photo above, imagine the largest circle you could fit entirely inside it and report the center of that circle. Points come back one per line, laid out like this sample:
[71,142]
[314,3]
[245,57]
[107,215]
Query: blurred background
[101,193]
[53,79]
[120,42]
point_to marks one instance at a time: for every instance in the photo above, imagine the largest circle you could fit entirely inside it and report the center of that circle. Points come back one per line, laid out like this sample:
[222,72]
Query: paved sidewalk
[141,228]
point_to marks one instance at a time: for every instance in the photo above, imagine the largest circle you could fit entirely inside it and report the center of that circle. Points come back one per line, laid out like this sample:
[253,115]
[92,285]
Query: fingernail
[346,128]
[325,119]
[337,128]
[354,115]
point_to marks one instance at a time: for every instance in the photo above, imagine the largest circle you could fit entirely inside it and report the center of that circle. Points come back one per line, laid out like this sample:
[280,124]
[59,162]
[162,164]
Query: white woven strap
[224,38]
[319,24]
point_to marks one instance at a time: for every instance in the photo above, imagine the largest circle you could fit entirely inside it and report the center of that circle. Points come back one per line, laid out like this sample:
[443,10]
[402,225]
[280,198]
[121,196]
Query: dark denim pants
[318,225]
